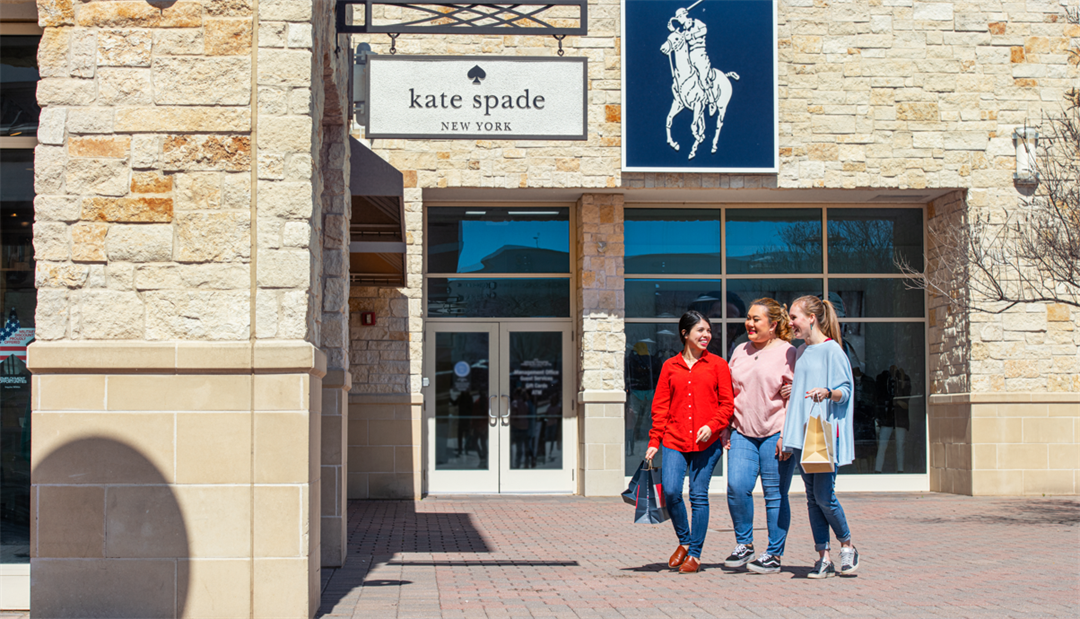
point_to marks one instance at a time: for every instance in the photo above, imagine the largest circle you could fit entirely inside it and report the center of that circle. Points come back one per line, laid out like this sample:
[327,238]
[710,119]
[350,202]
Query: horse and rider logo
[695,84]
[710,77]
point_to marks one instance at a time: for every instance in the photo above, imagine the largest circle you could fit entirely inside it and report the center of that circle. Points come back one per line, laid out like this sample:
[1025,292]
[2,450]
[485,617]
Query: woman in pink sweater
[759,370]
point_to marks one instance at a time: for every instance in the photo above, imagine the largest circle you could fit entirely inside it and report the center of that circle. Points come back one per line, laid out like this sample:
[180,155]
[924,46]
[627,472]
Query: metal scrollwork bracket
[393,42]
[559,38]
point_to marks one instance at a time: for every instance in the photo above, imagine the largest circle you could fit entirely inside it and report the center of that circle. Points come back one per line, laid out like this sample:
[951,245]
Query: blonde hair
[824,312]
[777,315]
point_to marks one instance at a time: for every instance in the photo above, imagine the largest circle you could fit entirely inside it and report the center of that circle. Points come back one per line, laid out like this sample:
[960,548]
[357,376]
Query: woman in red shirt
[691,406]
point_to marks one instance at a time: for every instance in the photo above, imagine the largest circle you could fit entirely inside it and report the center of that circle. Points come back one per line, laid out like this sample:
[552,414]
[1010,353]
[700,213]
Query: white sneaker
[822,569]
[849,561]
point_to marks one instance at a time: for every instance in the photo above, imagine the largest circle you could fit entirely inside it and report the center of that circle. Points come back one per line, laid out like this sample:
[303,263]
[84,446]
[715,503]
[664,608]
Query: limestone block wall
[1006,443]
[601,348]
[192,188]
[385,439]
[175,480]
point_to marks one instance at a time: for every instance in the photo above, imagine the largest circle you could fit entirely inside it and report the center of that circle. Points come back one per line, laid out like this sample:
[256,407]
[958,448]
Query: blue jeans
[824,507]
[748,457]
[700,465]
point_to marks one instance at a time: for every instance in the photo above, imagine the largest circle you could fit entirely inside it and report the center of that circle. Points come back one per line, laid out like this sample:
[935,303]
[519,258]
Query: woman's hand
[818,394]
[650,453]
[780,453]
[704,433]
[785,391]
[725,438]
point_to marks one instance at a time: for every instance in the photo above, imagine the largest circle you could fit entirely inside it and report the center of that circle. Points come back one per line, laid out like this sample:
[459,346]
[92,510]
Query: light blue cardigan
[822,365]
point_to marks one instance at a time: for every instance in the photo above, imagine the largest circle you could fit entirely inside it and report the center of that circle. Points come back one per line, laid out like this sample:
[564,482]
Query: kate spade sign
[477,97]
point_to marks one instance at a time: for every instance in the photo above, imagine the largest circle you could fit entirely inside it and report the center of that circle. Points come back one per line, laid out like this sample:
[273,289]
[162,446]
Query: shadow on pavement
[379,530]
[1032,512]
[493,563]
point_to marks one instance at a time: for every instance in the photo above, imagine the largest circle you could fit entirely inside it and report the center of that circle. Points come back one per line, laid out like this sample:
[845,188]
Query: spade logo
[476,74]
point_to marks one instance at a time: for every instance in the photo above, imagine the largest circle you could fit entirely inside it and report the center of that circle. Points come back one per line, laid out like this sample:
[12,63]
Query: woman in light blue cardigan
[822,386]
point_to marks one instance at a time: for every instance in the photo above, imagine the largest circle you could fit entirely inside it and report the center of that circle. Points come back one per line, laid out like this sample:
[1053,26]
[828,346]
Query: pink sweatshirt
[756,378]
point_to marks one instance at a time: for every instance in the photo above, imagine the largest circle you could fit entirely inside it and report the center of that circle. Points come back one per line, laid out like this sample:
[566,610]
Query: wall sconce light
[601,246]
[1026,140]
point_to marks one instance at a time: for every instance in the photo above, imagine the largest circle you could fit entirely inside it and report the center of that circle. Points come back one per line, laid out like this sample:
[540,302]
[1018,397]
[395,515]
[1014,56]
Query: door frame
[554,481]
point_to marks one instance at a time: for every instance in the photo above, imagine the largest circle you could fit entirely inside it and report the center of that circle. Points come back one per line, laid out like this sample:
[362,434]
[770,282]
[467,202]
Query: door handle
[506,415]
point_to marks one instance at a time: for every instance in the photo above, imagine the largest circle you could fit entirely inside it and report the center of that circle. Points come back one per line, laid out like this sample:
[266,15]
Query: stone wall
[601,304]
[192,189]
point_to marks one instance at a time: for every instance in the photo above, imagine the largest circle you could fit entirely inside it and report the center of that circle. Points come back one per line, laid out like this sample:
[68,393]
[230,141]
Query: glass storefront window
[498,298]
[672,241]
[872,240]
[19,110]
[671,298]
[888,362]
[883,322]
[773,241]
[498,240]
[743,292]
[18,301]
[462,389]
[875,298]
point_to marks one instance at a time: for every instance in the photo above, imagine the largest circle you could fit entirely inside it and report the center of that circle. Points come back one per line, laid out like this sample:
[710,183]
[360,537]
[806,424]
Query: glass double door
[498,408]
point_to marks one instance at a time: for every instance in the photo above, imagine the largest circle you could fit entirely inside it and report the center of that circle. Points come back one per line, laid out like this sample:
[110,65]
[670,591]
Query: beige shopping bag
[817,451]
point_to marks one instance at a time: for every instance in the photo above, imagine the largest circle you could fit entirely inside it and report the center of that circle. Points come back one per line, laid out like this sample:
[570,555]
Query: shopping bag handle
[648,465]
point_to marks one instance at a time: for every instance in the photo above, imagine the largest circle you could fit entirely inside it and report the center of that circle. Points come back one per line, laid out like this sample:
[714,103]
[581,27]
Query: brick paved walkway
[924,555]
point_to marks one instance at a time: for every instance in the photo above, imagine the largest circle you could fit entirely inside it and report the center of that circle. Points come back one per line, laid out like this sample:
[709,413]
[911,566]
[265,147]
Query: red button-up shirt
[688,398]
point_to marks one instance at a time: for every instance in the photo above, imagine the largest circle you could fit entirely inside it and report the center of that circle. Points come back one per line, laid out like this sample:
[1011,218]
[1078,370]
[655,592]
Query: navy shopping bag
[646,494]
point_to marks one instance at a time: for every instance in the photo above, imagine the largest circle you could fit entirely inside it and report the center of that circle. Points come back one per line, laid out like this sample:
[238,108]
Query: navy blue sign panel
[700,86]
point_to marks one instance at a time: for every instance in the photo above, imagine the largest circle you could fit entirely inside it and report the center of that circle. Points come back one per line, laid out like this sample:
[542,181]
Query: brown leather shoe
[677,558]
[690,566]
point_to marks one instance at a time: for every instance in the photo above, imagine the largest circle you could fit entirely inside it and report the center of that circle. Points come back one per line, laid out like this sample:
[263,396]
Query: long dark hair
[688,321]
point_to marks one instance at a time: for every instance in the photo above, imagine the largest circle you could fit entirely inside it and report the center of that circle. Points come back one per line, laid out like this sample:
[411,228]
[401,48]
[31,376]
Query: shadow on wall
[109,537]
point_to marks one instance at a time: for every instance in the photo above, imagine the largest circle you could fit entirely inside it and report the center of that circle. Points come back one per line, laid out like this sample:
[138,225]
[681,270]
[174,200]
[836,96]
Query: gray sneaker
[849,561]
[822,569]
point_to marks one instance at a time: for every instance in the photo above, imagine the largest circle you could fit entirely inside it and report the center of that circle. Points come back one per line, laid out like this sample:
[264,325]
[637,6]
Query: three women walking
[702,406]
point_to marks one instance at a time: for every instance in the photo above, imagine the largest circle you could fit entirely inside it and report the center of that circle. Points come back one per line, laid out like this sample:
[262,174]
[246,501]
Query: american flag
[13,338]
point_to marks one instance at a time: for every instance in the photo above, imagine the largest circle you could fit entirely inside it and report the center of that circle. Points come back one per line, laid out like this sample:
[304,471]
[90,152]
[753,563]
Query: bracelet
[830,393]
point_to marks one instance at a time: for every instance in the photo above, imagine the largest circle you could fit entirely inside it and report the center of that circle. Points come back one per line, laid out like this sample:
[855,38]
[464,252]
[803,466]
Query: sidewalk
[924,555]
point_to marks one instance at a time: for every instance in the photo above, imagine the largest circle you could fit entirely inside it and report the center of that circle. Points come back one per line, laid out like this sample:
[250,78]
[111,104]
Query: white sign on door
[477,97]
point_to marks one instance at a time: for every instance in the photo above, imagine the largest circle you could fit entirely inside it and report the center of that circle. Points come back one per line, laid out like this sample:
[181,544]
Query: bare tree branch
[1028,254]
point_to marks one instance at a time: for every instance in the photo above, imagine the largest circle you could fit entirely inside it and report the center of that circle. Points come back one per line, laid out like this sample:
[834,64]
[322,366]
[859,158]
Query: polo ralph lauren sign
[477,97]
[700,86]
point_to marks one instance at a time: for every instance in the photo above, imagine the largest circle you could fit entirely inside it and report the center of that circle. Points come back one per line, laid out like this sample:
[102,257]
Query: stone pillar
[190,273]
[602,305]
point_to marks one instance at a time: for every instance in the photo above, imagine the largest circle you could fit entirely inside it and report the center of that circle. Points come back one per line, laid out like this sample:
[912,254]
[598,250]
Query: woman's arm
[725,398]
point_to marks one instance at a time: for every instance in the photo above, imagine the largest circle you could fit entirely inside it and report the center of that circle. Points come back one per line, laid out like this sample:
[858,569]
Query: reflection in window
[674,241]
[889,368]
[743,292]
[671,298]
[19,110]
[872,240]
[18,301]
[875,298]
[461,401]
[536,406]
[498,240]
[648,347]
[773,241]
[498,298]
